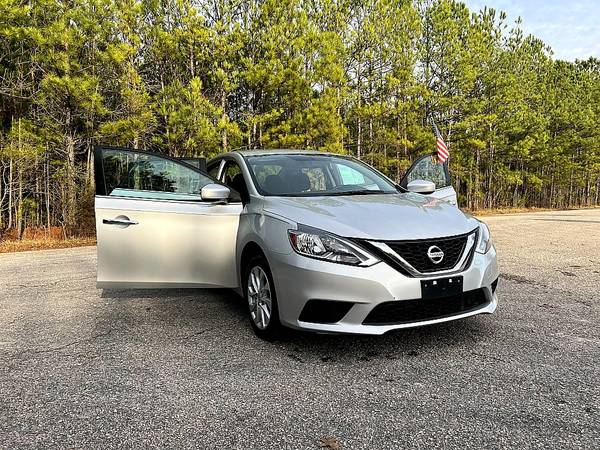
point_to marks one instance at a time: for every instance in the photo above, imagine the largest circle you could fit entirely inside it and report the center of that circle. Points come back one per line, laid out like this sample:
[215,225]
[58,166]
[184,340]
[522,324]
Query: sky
[571,28]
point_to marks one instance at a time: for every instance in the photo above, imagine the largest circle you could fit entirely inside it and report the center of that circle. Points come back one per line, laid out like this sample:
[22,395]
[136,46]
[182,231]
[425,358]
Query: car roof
[261,152]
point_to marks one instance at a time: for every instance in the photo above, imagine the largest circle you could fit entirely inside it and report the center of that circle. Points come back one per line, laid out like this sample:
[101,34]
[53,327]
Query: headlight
[321,245]
[485,239]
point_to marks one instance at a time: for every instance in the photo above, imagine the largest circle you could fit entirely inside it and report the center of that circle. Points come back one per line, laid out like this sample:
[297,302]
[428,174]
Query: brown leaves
[330,443]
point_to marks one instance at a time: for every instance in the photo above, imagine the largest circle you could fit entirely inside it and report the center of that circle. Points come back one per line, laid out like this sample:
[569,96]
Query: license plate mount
[441,287]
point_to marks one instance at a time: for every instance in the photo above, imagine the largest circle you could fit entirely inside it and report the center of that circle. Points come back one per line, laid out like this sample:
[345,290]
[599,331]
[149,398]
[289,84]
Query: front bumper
[299,279]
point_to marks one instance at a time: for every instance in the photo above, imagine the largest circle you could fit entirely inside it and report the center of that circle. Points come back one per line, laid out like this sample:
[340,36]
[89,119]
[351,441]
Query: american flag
[442,149]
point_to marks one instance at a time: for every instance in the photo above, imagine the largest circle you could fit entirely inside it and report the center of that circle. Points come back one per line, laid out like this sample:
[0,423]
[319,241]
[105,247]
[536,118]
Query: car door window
[213,168]
[234,179]
[230,171]
[144,175]
[428,168]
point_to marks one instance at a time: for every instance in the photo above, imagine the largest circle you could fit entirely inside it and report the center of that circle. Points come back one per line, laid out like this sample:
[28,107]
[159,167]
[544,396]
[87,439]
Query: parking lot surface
[86,368]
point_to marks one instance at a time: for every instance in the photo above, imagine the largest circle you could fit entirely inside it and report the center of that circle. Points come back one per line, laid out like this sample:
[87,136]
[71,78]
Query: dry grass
[499,211]
[44,243]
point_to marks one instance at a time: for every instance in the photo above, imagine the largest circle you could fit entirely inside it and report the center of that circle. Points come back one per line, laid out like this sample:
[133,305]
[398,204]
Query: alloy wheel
[259,297]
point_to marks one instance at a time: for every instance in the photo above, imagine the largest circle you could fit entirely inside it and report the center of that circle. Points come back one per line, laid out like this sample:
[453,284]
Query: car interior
[234,179]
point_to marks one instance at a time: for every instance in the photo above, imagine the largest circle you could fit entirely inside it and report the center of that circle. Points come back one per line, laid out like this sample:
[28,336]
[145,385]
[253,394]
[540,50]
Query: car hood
[375,216]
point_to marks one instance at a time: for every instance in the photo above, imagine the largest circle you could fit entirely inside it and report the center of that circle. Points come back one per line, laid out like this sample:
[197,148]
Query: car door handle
[118,221]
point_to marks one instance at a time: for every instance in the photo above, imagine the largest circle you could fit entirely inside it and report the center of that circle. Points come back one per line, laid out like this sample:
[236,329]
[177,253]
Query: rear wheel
[259,291]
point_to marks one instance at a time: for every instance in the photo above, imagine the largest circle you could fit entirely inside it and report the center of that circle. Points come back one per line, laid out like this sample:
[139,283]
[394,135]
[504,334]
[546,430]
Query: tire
[266,326]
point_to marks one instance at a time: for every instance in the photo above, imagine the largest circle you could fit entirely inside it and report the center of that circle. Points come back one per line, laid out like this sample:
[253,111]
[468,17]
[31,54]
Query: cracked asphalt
[86,368]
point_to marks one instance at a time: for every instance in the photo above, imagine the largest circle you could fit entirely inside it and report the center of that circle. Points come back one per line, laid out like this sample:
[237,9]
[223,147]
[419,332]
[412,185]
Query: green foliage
[201,77]
[191,122]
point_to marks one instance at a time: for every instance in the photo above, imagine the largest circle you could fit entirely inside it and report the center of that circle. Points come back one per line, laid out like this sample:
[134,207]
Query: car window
[429,168]
[316,178]
[349,175]
[262,171]
[315,174]
[231,170]
[213,168]
[234,179]
[142,175]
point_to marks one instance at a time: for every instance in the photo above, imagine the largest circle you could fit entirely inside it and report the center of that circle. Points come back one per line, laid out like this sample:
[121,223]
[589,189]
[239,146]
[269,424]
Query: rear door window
[428,168]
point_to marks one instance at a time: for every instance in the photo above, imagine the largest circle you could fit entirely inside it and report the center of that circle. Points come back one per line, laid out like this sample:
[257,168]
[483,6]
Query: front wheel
[259,291]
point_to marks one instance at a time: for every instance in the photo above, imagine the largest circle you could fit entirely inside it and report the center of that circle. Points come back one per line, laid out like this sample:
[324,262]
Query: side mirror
[421,187]
[215,192]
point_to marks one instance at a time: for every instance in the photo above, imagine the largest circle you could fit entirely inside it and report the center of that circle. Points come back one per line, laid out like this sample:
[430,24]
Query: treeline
[200,77]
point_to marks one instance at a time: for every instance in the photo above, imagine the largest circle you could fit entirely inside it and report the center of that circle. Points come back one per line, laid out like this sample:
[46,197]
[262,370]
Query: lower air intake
[406,311]
[324,311]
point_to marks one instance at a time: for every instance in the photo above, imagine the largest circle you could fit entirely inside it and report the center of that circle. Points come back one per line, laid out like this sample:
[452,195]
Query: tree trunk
[89,165]
[10,193]
[553,192]
[489,193]
[477,162]
[358,140]
[371,138]
[71,183]
[224,118]
[260,135]
[570,194]
[1,200]
[20,212]
[48,193]
[588,187]
[37,193]
[405,143]
[358,118]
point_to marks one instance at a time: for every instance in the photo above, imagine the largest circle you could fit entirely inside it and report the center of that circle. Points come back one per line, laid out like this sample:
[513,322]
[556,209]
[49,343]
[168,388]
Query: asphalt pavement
[87,368]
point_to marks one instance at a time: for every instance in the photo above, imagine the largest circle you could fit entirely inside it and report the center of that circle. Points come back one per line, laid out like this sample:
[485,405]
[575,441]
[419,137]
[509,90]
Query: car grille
[415,252]
[406,311]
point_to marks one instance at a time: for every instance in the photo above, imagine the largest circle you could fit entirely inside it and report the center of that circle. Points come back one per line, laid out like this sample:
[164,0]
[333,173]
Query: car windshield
[310,175]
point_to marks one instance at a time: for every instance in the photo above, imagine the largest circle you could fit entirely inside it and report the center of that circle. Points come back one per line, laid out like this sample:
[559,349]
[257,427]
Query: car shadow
[160,293]
[226,306]
[394,344]
[200,305]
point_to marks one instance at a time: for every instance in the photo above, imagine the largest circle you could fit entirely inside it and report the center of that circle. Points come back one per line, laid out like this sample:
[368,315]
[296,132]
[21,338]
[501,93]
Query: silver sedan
[311,240]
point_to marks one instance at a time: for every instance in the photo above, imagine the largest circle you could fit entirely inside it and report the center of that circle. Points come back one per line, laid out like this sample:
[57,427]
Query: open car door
[428,168]
[153,227]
